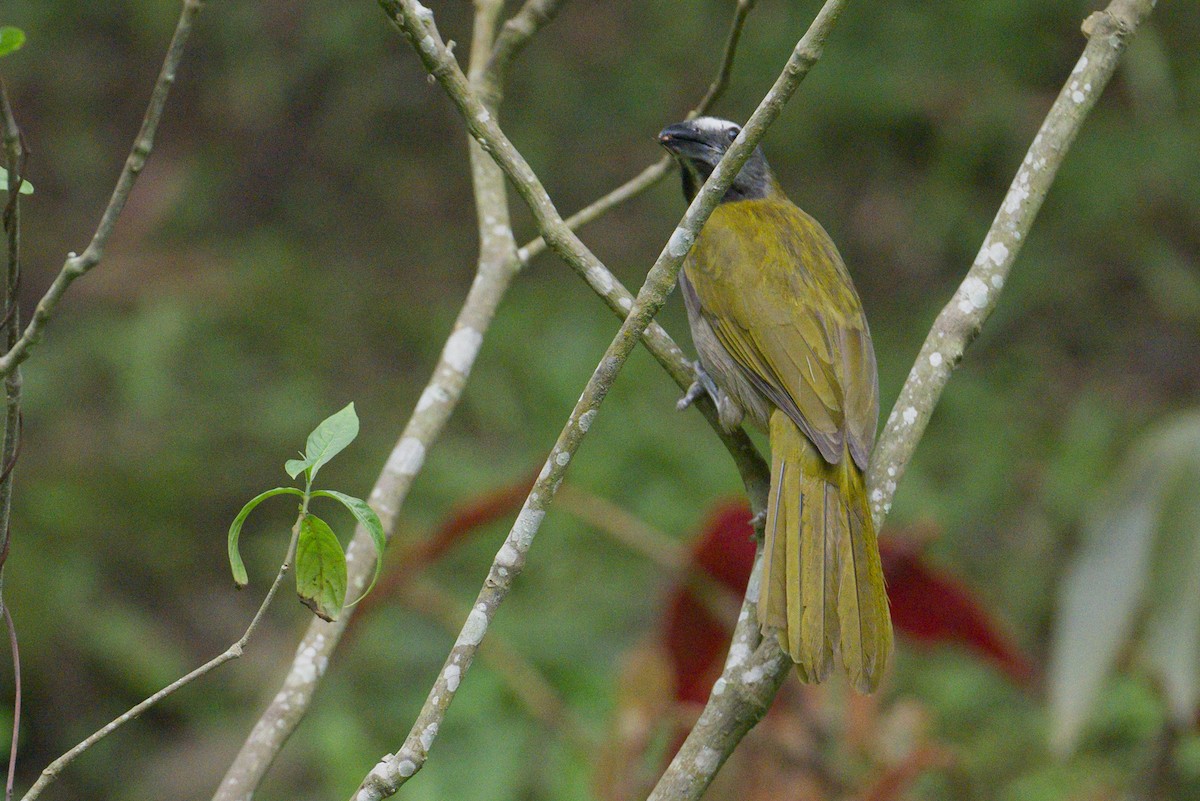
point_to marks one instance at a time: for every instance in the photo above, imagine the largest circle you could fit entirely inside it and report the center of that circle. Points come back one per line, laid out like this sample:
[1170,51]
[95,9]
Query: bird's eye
[731,134]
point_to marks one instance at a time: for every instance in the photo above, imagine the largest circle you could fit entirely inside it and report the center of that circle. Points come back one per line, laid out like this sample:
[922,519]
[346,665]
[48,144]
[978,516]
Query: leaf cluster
[319,556]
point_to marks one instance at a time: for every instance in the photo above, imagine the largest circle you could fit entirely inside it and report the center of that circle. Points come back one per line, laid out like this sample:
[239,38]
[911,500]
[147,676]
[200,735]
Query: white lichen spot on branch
[407,458]
[452,674]
[473,630]
[461,349]
[974,296]
[680,242]
[526,526]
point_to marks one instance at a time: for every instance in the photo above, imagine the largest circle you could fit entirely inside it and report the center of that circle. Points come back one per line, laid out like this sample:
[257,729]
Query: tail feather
[822,579]
[816,581]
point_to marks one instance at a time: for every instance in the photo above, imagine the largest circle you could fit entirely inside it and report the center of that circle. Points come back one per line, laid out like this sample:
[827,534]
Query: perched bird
[783,342]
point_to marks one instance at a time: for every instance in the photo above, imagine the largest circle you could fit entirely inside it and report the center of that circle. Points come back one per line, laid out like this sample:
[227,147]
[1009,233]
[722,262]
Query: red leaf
[928,605]
[931,606]
[693,637]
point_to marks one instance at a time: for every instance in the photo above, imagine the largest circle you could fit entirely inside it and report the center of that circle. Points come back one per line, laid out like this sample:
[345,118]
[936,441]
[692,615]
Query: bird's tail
[822,584]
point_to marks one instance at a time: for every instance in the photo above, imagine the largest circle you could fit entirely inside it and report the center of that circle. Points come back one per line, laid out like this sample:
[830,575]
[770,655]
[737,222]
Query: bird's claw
[703,384]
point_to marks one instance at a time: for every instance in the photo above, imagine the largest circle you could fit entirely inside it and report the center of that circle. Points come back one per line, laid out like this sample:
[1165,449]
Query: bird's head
[700,143]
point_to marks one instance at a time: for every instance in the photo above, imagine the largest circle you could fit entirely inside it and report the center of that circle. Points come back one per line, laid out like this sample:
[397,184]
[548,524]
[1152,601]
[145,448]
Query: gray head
[700,143]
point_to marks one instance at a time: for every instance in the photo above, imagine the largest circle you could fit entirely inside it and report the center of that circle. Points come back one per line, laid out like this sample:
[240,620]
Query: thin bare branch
[717,88]
[76,266]
[16,727]
[738,699]
[55,768]
[417,23]
[514,36]
[523,679]
[625,528]
[961,320]
[494,272]
[15,160]
[659,169]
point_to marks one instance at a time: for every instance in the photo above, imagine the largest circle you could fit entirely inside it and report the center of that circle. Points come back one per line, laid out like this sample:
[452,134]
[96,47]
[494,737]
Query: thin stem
[16,727]
[417,23]
[659,169]
[514,36]
[234,651]
[719,84]
[738,699]
[76,266]
[15,159]
[523,679]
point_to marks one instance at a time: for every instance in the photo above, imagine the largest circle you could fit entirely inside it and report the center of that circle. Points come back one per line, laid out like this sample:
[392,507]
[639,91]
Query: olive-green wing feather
[779,299]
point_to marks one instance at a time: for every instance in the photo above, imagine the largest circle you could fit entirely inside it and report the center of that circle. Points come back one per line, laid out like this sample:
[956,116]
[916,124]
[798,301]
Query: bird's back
[771,283]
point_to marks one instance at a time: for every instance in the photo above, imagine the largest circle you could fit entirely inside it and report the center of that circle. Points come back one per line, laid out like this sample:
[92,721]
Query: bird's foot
[703,384]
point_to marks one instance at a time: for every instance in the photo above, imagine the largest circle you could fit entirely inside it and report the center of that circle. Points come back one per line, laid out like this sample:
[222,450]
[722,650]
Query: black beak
[685,140]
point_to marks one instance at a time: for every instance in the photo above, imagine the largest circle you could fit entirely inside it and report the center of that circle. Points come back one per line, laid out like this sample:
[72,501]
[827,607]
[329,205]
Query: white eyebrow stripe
[714,124]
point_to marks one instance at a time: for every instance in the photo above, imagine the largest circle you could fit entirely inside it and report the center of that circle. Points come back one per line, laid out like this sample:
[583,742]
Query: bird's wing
[775,291]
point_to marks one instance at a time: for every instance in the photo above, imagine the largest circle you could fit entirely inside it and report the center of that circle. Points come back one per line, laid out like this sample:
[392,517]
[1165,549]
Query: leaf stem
[77,266]
[55,768]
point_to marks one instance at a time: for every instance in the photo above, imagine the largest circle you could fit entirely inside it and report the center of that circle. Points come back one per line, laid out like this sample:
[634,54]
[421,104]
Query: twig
[626,528]
[525,681]
[494,272]
[605,516]
[416,22]
[76,266]
[717,88]
[514,35]
[234,651]
[16,727]
[738,700]
[15,159]
[659,169]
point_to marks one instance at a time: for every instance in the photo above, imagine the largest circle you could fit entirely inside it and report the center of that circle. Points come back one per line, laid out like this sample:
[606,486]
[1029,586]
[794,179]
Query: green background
[303,235]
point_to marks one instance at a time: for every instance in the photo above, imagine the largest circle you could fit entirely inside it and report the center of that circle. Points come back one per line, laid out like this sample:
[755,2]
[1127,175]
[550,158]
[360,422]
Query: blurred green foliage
[305,227]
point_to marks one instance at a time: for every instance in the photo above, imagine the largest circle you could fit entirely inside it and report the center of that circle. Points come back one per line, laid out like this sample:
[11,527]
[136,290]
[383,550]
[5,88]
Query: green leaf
[367,518]
[26,187]
[325,442]
[1171,642]
[235,530]
[295,467]
[1141,549]
[320,569]
[11,39]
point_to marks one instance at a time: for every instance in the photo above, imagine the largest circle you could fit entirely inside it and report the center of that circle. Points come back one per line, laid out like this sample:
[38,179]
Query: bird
[783,343]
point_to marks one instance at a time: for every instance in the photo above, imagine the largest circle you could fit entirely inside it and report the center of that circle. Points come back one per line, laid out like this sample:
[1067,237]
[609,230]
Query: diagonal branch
[753,672]
[77,266]
[416,22]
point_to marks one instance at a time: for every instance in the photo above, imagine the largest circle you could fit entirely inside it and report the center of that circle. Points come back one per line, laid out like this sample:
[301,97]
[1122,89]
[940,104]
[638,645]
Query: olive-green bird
[783,342]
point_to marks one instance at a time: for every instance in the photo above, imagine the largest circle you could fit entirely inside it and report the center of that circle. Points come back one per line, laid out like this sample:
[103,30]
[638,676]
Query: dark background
[303,236]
